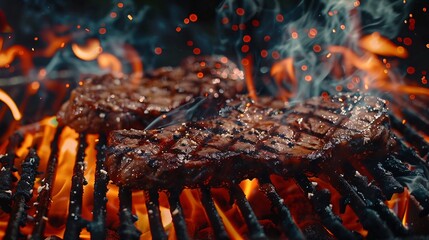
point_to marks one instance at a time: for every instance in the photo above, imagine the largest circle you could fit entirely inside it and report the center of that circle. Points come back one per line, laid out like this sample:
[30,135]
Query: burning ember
[55,180]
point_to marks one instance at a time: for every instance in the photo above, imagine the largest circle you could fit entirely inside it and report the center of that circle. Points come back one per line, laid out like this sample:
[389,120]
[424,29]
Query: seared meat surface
[248,139]
[105,103]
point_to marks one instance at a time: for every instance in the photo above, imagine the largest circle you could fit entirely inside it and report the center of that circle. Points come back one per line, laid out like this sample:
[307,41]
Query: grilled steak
[248,139]
[106,103]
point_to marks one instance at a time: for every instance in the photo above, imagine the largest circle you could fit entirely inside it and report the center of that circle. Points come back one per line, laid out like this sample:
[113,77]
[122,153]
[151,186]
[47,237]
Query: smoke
[303,31]
[142,26]
[198,109]
[341,23]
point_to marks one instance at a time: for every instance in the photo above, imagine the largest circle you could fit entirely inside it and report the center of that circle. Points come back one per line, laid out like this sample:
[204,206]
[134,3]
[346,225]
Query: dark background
[154,26]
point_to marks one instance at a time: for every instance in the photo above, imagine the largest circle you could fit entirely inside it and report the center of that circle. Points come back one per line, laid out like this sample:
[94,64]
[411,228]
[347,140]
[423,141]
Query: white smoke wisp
[324,44]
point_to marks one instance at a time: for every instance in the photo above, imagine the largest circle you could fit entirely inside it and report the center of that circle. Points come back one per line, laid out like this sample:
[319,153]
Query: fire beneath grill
[72,197]
[54,182]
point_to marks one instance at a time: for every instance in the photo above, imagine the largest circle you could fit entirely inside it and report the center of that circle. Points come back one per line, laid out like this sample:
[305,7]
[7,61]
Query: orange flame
[90,51]
[247,63]
[377,71]
[4,25]
[4,97]
[7,56]
[399,203]
[110,62]
[54,42]
[229,226]
[375,43]
[284,71]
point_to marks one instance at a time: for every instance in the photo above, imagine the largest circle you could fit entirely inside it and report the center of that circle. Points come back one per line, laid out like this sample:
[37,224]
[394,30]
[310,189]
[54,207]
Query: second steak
[105,103]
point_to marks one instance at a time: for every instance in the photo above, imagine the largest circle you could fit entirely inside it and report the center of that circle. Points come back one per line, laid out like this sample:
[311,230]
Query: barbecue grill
[366,197]
[387,197]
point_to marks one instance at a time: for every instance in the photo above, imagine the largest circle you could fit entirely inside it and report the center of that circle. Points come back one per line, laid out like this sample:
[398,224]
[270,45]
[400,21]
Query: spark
[295,35]
[247,38]
[158,51]
[317,48]
[196,51]
[275,55]
[102,31]
[240,11]
[193,17]
[268,38]
[408,41]
[312,33]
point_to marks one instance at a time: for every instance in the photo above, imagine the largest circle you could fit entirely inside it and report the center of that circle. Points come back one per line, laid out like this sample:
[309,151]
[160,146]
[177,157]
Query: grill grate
[127,230]
[75,223]
[286,221]
[98,227]
[391,175]
[177,215]
[44,197]
[24,190]
[215,219]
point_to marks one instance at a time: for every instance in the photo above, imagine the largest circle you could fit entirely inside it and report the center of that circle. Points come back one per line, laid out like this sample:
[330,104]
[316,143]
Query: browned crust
[248,140]
[105,103]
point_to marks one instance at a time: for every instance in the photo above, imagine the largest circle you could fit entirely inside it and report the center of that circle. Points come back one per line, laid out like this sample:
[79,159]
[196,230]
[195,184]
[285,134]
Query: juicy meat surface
[248,139]
[105,103]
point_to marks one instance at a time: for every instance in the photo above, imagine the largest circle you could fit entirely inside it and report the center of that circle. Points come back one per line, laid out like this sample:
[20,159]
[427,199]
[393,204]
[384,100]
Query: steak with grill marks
[105,103]
[249,138]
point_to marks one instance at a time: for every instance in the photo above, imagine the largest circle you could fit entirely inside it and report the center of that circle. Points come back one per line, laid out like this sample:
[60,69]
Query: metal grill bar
[369,218]
[155,222]
[98,227]
[373,194]
[321,201]
[255,229]
[177,215]
[127,230]
[406,154]
[420,105]
[411,135]
[414,180]
[214,218]
[6,176]
[44,197]
[419,120]
[23,194]
[286,220]
[384,178]
[75,223]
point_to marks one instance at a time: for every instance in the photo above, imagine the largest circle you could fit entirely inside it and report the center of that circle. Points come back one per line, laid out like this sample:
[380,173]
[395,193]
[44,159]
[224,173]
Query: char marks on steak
[107,103]
[248,139]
